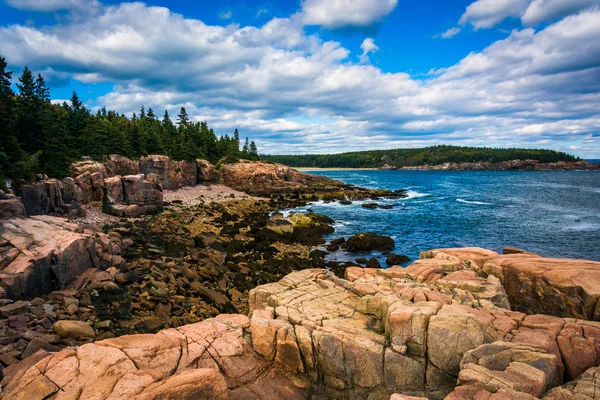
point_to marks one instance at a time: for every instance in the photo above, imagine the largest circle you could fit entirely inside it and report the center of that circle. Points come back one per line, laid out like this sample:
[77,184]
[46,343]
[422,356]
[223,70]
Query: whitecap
[411,194]
[479,203]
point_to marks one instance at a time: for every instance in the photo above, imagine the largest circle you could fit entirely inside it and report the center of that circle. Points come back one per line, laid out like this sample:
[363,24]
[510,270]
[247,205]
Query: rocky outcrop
[11,207]
[266,178]
[132,195]
[172,174]
[41,254]
[118,165]
[440,327]
[377,333]
[207,173]
[512,165]
[52,197]
[534,284]
[213,359]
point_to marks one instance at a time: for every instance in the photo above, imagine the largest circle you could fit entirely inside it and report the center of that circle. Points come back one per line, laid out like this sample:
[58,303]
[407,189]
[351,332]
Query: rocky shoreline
[513,165]
[222,296]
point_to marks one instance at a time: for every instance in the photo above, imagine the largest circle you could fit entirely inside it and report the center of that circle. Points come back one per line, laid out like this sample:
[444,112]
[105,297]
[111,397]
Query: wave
[479,203]
[582,227]
[411,194]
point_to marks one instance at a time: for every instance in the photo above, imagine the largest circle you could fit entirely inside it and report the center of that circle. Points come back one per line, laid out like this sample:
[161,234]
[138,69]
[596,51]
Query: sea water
[551,213]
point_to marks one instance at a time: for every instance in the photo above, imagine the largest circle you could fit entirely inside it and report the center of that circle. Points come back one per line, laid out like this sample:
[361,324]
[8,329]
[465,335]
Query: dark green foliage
[435,155]
[40,137]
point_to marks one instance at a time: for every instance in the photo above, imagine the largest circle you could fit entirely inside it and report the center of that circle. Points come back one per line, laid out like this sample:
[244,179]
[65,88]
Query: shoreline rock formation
[42,253]
[440,328]
[513,165]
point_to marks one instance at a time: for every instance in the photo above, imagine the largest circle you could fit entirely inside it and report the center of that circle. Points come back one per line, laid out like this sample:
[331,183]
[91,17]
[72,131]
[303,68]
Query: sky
[326,76]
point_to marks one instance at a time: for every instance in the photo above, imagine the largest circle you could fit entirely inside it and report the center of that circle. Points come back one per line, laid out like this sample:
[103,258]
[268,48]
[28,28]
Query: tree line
[40,137]
[434,155]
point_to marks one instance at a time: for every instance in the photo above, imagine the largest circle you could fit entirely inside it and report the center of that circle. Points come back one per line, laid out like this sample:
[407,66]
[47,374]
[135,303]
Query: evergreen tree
[10,151]
[182,118]
[26,85]
[246,148]
[253,150]
[78,120]
[28,123]
[41,91]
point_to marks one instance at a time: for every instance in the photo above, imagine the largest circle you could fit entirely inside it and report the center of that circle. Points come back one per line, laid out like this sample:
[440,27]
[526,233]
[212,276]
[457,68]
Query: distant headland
[443,157]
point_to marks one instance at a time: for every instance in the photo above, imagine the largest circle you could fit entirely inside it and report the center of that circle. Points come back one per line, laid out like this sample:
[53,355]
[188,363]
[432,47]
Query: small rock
[108,324]
[18,307]
[373,263]
[35,345]
[395,259]
[73,329]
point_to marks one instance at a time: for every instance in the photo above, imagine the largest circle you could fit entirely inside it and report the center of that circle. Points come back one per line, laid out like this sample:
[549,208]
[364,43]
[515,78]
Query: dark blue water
[552,213]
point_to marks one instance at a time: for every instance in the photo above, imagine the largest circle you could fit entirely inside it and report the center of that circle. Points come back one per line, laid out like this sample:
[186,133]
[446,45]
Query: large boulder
[534,284]
[52,197]
[90,184]
[118,165]
[370,242]
[132,195]
[268,178]
[207,173]
[11,208]
[44,253]
[173,174]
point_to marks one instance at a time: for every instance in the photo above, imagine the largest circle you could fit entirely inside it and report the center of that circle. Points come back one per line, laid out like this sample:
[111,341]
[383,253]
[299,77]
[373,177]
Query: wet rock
[369,242]
[280,226]
[373,263]
[396,259]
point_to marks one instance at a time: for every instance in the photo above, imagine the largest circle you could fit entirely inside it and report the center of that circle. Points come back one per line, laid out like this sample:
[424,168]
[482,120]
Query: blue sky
[318,76]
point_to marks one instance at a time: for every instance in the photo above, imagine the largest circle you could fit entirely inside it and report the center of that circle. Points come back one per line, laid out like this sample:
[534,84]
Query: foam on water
[479,203]
[543,212]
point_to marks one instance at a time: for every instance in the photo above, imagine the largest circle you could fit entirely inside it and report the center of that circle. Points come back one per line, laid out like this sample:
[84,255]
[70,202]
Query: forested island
[41,137]
[430,156]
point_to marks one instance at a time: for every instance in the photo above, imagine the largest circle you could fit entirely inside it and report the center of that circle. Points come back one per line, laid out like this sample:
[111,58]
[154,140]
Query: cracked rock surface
[441,328]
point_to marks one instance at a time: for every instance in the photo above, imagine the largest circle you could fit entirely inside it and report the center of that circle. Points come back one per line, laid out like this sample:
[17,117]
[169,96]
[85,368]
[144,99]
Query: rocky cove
[230,299]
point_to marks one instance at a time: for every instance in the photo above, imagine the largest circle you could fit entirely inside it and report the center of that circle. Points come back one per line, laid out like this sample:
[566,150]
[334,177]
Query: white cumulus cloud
[334,14]
[296,93]
[368,46]
[485,14]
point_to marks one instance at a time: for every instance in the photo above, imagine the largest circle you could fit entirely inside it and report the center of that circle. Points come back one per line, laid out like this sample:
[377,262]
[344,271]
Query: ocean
[551,213]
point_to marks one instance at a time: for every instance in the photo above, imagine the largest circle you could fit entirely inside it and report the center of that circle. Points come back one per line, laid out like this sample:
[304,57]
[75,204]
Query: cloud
[296,93]
[449,34]
[548,10]
[488,13]
[485,14]
[262,11]
[368,46]
[78,7]
[335,14]
[225,14]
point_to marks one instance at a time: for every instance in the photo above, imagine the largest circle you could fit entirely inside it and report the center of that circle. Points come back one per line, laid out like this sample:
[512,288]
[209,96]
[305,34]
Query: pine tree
[10,151]
[80,145]
[28,122]
[26,85]
[246,148]
[41,91]
[253,150]
[182,118]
